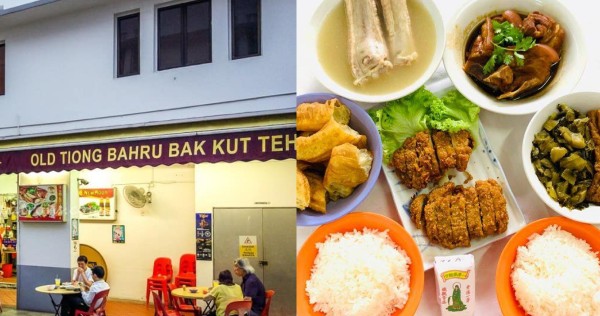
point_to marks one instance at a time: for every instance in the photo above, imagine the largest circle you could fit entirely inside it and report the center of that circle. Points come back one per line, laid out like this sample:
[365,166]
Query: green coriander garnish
[509,44]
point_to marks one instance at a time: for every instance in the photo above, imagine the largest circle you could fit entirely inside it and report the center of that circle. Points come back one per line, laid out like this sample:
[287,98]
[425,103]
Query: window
[245,28]
[184,35]
[128,45]
[2,72]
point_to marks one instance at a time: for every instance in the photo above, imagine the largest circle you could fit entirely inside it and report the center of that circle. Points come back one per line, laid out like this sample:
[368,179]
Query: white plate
[483,164]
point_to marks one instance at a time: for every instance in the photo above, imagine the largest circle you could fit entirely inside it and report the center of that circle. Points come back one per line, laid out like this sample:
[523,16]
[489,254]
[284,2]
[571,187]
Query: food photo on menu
[448,158]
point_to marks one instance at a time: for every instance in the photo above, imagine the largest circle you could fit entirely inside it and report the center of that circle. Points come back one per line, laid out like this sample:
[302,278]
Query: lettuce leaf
[400,119]
[457,113]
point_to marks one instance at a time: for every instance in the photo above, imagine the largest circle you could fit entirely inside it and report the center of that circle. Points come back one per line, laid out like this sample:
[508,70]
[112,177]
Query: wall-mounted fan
[136,197]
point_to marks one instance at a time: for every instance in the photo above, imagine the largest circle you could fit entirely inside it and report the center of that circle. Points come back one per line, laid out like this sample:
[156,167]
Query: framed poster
[97,204]
[74,229]
[203,236]
[42,203]
[118,234]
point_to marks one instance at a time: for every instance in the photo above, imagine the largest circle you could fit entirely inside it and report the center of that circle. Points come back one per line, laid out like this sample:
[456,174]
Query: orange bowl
[504,290]
[358,221]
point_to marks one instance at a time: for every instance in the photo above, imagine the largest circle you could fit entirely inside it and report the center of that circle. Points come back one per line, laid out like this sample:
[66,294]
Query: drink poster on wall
[97,204]
[203,236]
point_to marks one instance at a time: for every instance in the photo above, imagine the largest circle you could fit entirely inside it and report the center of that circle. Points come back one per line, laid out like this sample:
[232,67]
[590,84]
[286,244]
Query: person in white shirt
[83,273]
[72,302]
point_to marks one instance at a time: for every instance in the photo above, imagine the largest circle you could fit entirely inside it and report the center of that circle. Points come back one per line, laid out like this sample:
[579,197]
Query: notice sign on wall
[203,236]
[248,247]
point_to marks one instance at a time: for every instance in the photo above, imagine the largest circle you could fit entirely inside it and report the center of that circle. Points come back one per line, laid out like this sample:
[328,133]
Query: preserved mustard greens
[563,157]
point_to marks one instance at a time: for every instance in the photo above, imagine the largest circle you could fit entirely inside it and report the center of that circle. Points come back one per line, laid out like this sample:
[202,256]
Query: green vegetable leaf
[509,44]
[508,58]
[403,118]
[490,65]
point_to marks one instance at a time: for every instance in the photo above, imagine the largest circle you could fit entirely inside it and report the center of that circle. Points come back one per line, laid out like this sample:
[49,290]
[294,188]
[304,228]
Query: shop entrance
[267,237]
[8,233]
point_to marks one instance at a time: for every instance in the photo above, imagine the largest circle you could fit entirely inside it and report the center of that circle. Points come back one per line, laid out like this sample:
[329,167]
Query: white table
[505,134]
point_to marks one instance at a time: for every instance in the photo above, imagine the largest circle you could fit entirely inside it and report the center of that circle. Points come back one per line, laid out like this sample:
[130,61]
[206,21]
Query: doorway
[271,232]
[8,253]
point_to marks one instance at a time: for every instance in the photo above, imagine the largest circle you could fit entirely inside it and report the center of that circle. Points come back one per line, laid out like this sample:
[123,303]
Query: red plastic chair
[102,297]
[187,271]
[180,304]
[160,309]
[241,307]
[162,274]
[269,296]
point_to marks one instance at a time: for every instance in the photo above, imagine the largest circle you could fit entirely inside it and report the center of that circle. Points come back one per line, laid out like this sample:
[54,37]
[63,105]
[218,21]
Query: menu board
[203,236]
[97,204]
[42,203]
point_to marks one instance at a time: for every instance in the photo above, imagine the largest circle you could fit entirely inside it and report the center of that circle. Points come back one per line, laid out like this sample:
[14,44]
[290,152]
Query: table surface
[58,291]
[179,292]
[505,134]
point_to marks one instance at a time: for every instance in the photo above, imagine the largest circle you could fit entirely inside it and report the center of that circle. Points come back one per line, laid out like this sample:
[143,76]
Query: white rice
[556,274]
[359,273]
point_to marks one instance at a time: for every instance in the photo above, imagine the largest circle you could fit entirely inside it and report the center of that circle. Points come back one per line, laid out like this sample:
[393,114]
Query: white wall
[60,72]
[164,228]
[167,226]
[44,244]
[243,184]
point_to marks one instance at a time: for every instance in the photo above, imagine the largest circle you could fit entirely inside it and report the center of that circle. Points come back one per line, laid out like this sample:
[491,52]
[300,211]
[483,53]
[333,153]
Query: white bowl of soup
[329,47]
[514,89]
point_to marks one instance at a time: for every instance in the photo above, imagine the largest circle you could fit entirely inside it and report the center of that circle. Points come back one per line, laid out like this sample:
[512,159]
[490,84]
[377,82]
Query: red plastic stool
[162,273]
[187,271]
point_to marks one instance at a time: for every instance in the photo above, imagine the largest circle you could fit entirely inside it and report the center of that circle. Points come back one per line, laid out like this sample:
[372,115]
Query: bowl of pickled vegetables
[561,155]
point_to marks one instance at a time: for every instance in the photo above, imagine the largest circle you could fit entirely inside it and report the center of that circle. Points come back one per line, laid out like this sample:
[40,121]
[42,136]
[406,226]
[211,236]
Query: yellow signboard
[248,247]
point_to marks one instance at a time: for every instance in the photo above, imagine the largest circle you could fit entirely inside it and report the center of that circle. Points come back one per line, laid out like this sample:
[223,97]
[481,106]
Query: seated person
[224,292]
[251,286]
[82,301]
[83,273]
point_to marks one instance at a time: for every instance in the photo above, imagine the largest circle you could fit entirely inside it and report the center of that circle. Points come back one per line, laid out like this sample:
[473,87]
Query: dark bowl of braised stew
[513,57]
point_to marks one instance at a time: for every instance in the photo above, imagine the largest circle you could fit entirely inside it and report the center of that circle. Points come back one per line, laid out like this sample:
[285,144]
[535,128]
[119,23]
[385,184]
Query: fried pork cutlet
[494,218]
[486,204]
[416,163]
[416,209]
[500,212]
[431,208]
[444,149]
[458,219]
[453,215]
[463,145]
[472,210]
[444,221]
[424,158]
[593,192]
[432,223]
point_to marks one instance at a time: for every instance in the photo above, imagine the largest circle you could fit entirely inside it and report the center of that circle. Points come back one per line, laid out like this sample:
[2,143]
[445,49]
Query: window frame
[184,41]
[232,30]
[118,17]
[3,70]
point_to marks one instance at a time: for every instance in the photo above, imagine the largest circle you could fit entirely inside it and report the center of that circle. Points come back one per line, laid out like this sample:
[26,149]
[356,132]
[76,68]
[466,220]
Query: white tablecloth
[505,134]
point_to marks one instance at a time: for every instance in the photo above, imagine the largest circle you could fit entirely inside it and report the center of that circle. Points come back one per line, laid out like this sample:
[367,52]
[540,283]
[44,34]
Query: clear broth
[332,50]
